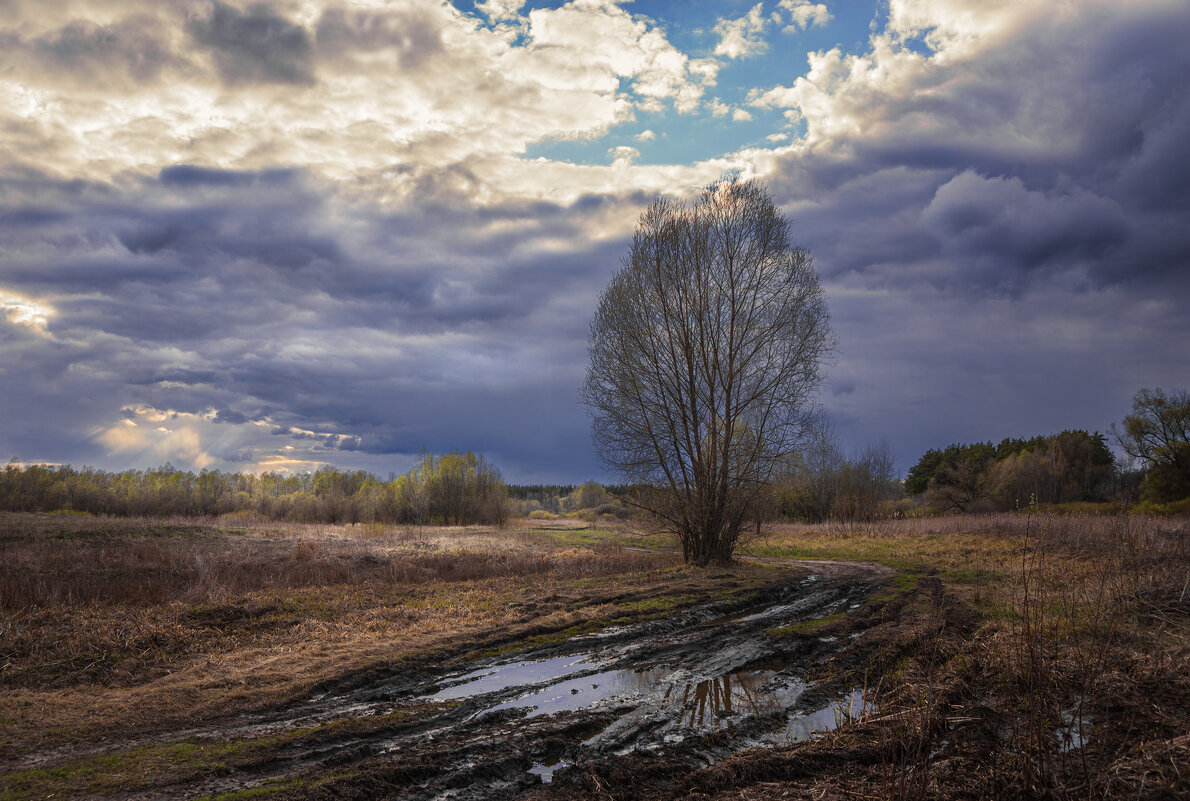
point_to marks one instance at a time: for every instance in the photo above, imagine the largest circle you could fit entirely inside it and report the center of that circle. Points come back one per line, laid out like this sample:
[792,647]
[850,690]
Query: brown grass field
[1001,638]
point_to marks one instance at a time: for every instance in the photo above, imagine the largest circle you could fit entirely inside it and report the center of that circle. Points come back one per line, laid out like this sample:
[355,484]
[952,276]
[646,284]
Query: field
[1004,656]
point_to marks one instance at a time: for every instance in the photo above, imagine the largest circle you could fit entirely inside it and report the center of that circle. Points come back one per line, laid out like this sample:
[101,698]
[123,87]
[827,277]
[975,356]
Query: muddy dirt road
[696,687]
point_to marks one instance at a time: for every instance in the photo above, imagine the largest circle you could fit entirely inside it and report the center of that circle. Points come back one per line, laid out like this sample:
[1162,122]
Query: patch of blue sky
[689,26]
[677,138]
[918,44]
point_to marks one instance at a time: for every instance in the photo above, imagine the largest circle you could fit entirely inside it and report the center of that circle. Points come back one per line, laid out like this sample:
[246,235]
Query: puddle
[1074,732]
[803,726]
[517,674]
[710,703]
[675,694]
[585,691]
[546,772]
[674,706]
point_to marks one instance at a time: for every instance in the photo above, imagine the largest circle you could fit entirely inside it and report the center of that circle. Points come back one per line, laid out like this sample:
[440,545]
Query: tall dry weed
[1082,581]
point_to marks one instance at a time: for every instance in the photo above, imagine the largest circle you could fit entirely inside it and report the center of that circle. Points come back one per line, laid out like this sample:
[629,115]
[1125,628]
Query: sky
[280,235]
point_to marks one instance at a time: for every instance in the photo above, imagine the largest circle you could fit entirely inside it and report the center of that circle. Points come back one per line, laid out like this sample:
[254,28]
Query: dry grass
[132,626]
[69,561]
[1085,638]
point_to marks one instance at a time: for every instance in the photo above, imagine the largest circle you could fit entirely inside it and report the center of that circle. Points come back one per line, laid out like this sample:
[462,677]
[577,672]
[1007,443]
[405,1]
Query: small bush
[613,510]
[541,514]
[1181,507]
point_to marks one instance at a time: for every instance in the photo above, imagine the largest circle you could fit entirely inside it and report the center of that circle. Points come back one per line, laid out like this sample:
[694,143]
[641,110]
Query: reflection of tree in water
[716,700]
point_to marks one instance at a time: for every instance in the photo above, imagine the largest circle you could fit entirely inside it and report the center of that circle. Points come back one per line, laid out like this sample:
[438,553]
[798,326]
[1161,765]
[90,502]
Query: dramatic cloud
[986,194]
[359,92]
[272,236]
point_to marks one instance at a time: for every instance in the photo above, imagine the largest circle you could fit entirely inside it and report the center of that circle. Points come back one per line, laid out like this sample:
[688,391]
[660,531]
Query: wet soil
[686,691]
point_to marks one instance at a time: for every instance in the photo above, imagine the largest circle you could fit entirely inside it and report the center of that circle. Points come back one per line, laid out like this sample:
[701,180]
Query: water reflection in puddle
[1074,732]
[518,674]
[803,726]
[747,693]
[705,704]
[665,699]
[546,772]
[580,693]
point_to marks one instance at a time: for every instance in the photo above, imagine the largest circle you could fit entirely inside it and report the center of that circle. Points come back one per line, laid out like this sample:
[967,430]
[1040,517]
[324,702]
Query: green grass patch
[973,576]
[900,584]
[589,536]
[181,762]
[858,550]
[806,628]
[995,610]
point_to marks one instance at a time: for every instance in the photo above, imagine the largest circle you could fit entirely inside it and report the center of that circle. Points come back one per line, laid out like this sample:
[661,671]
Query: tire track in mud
[700,685]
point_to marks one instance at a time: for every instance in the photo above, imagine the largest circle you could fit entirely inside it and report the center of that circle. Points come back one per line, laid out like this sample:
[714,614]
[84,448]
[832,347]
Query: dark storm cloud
[228,295]
[188,175]
[255,46]
[1064,150]
[1053,148]
[124,54]
[1005,252]
[47,407]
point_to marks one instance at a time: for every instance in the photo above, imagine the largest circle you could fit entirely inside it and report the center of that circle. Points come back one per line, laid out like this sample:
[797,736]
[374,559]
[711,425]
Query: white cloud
[646,135]
[805,14]
[366,87]
[593,43]
[146,435]
[741,115]
[624,155]
[844,95]
[500,9]
[743,36]
[718,108]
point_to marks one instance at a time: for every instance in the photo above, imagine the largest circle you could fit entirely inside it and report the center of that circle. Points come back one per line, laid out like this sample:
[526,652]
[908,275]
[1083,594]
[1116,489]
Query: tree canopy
[705,355]
[1158,434]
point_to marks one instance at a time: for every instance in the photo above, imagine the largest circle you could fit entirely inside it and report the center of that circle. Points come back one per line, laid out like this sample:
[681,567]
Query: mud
[694,689]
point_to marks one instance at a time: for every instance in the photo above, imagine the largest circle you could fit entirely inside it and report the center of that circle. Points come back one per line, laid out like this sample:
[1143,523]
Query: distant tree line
[1070,467]
[1060,468]
[454,488]
[817,483]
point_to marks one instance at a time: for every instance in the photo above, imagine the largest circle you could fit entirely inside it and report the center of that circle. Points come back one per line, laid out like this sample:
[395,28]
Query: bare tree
[1158,434]
[704,361]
